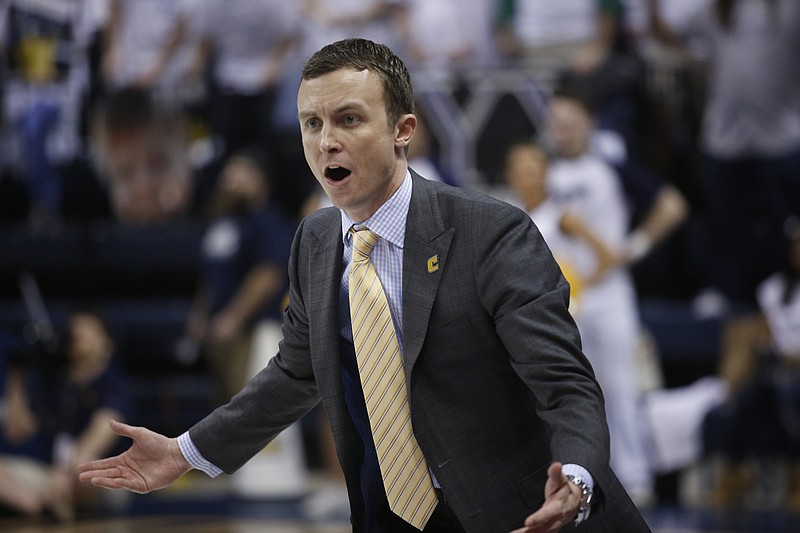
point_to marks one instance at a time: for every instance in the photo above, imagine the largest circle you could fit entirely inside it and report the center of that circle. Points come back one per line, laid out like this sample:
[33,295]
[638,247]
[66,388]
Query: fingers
[558,507]
[117,483]
[555,479]
[97,474]
[88,471]
[103,482]
[99,464]
[110,477]
[550,516]
[123,430]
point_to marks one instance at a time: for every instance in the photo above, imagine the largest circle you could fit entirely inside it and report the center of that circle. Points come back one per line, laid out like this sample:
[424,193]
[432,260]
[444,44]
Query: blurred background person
[140,152]
[244,45]
[750,137]
[544,37]
[327,21]
[608,319]
[611,73]
[422,154]
[447,44]
[143,46]
[526,165]
[245,251]
[756,430]
[66,399]
[434,35]
[45,82]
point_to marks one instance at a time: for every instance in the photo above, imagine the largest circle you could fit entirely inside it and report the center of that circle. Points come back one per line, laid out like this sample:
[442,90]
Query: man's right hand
[151,463]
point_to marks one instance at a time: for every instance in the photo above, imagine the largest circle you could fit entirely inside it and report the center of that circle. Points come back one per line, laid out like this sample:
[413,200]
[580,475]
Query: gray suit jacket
[498,385]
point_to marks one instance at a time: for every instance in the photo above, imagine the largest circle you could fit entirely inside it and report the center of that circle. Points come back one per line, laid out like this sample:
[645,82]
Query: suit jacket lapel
[427,242]
[323,303]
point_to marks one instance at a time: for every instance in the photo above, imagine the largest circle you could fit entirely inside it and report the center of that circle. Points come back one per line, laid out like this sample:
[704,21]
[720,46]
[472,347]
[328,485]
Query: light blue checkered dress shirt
[389,222]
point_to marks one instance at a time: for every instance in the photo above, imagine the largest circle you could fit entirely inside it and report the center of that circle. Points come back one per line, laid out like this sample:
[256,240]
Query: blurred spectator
[434,35]
[750,136]
[609,71]
[245,251]
[761,364]
[608,318]
[544,36]
[526,167]
[673,99]
[657,207]
[66,399]
[140,152]
[143,39]
[421,156]
[44,84]
[676,14]
[662,209]
[328,21]
[245,44]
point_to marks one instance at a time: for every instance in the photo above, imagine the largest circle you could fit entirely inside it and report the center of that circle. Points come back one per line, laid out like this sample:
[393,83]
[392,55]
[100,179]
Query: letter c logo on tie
[433,264]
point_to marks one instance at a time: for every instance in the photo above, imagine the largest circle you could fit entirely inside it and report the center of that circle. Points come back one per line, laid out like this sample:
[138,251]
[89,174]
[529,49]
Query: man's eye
[350,119]
[312,123]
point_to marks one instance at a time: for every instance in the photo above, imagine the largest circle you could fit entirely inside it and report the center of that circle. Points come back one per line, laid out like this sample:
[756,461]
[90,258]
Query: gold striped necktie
[406,478]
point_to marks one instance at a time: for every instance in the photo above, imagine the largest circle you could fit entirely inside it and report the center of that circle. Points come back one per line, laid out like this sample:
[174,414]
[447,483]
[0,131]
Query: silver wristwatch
[587,495]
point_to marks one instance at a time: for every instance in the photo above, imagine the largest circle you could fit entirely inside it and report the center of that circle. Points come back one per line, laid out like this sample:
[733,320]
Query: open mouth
[336,173]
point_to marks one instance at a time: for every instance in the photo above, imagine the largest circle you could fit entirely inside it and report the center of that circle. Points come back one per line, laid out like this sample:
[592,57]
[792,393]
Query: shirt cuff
[573,470]
[194,457]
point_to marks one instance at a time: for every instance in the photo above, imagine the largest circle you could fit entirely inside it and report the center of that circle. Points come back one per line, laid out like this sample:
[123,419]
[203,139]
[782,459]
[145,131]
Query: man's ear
[406,126]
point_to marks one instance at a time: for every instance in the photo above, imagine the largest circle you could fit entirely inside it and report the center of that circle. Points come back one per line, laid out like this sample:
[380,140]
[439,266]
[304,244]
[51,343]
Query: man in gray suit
[504,406]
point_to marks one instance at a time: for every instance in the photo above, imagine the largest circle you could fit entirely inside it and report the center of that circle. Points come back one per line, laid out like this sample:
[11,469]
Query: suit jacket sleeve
[275,398]
[529,298]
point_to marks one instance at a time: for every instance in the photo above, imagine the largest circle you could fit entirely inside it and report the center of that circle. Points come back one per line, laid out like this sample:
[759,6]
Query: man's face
[526,170]
[149,177]
[242,184]
[90,343]
[354,153]
[569,127]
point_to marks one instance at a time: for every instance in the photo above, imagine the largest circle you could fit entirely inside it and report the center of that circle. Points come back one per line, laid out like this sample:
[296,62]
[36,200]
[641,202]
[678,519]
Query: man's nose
[329,141]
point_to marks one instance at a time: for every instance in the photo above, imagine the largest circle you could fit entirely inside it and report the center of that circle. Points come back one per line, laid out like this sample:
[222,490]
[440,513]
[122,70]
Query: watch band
[587,495]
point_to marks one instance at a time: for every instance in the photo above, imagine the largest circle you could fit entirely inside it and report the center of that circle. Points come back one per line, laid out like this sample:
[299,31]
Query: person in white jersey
[608,318]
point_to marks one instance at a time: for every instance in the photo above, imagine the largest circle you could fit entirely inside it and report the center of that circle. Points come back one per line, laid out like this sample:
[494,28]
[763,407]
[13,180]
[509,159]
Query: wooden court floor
[672,521]
[202,505]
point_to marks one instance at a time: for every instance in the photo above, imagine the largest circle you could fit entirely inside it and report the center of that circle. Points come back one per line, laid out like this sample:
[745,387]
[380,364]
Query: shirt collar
[389,221]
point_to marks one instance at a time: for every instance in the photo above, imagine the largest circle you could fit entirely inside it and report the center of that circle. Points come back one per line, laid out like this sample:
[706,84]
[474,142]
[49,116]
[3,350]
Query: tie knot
[364,240]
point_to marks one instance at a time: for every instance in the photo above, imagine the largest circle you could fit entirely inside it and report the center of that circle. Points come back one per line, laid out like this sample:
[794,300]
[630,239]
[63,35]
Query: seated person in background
[77,392]
[526,172]
[141,154]
[761,366]
[245,251]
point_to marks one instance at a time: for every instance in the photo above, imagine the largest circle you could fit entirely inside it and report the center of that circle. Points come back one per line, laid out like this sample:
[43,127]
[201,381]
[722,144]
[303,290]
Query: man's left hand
[561,501]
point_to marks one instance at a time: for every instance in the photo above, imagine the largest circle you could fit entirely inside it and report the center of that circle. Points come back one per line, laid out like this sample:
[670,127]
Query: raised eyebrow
[348,107]
[305,115]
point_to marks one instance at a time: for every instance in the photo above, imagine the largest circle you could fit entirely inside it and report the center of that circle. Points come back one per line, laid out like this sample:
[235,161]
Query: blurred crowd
[663,161]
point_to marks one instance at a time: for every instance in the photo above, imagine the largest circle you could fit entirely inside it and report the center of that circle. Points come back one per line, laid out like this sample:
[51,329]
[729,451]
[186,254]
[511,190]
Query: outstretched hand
[561,501]
[152,462]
